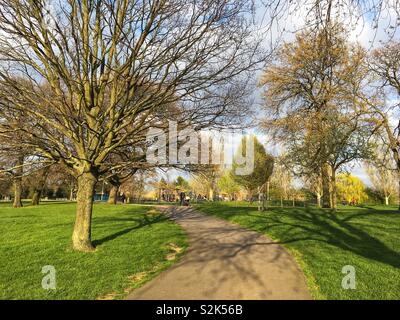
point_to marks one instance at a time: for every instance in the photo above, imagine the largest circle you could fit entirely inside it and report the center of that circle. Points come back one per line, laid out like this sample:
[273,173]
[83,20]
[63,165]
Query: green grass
[132,243]
[323,242]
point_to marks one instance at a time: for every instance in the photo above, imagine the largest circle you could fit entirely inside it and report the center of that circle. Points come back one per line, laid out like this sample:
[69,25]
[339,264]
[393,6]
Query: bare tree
[383,180]
[282,179]
[5,185]
[12,165]
[95,73]
[314,183]
[36,181]
[385,64]
[133,188]
[311,99]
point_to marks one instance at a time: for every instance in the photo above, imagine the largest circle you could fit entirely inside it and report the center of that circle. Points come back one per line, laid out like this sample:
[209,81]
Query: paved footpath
[225,261]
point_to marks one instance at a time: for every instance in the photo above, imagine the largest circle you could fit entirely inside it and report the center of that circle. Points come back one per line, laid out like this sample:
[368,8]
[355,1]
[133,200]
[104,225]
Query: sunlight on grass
[130,240]
[323,242]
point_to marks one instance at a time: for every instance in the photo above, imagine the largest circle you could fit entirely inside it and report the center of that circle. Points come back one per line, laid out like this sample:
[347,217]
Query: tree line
[81,82]
[330,103]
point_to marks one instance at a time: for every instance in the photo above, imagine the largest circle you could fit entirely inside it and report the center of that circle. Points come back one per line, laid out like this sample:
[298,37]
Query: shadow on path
[225,261]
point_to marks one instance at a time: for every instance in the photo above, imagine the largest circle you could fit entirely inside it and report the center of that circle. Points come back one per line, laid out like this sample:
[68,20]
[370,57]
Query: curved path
[225,261]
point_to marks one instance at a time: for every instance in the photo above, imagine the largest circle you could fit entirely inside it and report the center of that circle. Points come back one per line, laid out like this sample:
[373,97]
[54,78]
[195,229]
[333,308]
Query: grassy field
[323,242]
[133,244]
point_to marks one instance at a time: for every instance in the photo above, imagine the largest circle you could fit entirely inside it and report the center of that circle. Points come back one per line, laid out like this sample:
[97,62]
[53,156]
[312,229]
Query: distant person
[181,198]
[187,201]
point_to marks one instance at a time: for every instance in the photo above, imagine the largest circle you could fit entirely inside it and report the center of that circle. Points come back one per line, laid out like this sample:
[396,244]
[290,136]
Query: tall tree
[227,184]
[311,99]
[381,170]
[99,73]
[12,164]
[181,184]
[17,181]
[257,180]
[134,187]
[282,179]
[385,63]
[313,183]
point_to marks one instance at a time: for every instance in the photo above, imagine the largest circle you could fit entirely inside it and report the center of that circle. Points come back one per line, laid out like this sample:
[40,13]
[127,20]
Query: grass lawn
[133,244]
[323,242]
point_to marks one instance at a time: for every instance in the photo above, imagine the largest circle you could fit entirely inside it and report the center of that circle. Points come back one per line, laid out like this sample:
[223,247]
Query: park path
[225,261]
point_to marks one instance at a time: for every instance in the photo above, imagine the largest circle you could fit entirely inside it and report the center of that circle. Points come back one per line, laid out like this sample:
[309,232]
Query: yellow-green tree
[257,181]
[351,189]
[226,184]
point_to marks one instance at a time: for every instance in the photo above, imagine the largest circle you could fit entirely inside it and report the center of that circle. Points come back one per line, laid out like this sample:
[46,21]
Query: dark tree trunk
[267,197]
[18,183]
[37,193]
[112,199]
[81,237]
[36,197]
[399,185]
[17,193]
[398,177]
[326,194]
[333,189]
[319,200]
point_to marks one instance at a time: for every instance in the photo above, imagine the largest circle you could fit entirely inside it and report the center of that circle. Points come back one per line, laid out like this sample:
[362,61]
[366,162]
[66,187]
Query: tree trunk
[319,200]
[36,197]
[37,192]
[333,188]
[113,195]
[263,208]
[18,183]
[326,194]
[17,192]
[399,189]
[386,200]
[267,197]
[250,196]
[72,194]
[81,237]
[394,146]
[211,194]
[215,191]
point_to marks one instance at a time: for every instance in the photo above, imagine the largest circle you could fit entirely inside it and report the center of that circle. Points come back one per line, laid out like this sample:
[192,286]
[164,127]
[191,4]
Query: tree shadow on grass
[332,228]
[138,223]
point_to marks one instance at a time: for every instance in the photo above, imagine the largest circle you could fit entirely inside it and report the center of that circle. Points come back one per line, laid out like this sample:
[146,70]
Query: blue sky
[360,30]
